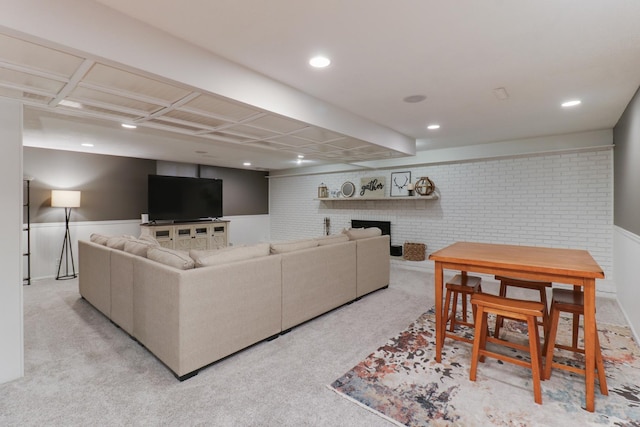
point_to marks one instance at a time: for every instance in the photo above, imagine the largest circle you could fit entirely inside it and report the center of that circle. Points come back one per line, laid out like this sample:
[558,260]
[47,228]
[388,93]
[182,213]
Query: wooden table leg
[590,332]
[439,316]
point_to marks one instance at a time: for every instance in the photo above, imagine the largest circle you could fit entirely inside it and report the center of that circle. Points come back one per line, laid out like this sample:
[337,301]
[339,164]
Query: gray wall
[115,188]
[626,194]
[244,192]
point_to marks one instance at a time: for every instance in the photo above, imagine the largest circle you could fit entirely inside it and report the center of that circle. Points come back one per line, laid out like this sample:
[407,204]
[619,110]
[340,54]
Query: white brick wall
[557,200]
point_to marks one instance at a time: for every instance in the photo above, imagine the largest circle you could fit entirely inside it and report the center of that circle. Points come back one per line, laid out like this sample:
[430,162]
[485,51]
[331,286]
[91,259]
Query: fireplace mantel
[432,196]
[418,202]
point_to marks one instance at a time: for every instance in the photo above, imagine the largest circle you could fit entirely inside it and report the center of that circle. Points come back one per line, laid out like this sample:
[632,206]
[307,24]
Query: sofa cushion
[363,233]
[117,242]
[228,254]
[174,258]
[332,239]
[138,247]
[100,239]
[280,248]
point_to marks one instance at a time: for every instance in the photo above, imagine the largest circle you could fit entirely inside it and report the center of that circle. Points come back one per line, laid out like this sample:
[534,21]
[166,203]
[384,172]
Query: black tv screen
[175,198]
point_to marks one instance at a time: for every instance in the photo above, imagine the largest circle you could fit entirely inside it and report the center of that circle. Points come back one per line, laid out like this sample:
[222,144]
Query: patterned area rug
[402,382]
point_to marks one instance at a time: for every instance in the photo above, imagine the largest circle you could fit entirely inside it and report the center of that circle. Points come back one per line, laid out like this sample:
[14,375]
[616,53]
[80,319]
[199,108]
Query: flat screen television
[180,199]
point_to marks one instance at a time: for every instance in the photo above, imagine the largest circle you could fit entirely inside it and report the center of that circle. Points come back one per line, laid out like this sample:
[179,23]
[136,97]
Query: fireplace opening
[384,226]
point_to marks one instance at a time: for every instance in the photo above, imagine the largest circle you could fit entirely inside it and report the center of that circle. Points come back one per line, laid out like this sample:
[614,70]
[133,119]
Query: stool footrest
[461,280]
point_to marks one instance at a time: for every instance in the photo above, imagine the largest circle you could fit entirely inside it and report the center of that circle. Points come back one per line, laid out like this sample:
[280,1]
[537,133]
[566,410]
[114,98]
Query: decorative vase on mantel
[323,191]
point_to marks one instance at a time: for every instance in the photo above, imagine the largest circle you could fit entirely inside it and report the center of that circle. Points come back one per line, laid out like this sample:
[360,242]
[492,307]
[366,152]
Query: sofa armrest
[373,264]
[94,281]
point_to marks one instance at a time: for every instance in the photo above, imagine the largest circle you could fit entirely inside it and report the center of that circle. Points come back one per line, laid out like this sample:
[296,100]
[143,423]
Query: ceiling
[456,54]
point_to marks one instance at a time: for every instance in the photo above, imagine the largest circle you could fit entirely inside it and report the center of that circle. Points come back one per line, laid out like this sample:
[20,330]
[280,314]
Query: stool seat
[465,285]
[526,311]
[570,301]
[536,285]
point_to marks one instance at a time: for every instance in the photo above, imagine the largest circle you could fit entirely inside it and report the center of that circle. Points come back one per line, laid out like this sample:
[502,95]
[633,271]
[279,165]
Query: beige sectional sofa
[189,318]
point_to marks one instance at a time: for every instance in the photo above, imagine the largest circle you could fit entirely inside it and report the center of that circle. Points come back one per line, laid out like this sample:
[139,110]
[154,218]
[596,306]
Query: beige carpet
[80,369]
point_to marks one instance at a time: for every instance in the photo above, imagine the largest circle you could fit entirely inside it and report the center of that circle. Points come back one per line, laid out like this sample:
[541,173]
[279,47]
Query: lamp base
[67,252]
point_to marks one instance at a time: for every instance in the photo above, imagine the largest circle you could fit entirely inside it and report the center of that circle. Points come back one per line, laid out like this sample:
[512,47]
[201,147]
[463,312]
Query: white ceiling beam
[73,82]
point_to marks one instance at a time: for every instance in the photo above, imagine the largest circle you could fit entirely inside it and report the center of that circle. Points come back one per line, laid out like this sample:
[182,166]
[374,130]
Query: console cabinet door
[182,238]
[164,235]
[218,236]
[200,237]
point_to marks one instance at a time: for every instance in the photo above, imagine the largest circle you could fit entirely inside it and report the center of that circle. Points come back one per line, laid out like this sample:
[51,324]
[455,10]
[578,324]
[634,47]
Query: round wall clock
[424,186]
[348,189]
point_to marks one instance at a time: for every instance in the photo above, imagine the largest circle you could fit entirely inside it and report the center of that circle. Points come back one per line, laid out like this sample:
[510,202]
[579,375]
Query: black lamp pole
[66,250]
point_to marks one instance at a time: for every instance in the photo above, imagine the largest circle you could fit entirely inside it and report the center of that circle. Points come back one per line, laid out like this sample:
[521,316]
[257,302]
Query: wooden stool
[535,285]
[464,285]
[570,301]
[526,311]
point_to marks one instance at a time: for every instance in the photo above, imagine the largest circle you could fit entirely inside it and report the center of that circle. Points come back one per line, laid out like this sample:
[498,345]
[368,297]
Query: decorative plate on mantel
[348,189]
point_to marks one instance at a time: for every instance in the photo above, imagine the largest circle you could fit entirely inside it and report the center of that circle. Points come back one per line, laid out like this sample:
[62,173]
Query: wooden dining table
[569,266]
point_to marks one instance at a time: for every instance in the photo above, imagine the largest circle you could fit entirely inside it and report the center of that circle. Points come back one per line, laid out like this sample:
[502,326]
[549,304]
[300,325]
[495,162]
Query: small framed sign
[400,183]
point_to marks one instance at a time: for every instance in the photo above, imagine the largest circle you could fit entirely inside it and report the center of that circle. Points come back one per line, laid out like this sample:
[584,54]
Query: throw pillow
[363,233]
[332,239]
[138,247]
[148,238]
[100,239]
[118,242]
[171,257]
[228,254]
[280,248]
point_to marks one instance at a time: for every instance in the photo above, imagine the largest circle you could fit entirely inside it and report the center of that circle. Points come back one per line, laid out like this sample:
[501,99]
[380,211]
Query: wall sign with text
[372,186]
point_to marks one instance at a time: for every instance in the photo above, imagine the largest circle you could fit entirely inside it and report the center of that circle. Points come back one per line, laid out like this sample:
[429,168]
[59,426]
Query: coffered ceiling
[223,82]
[52,80]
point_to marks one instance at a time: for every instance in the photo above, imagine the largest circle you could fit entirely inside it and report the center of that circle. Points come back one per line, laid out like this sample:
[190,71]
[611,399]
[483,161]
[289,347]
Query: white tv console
[189,235]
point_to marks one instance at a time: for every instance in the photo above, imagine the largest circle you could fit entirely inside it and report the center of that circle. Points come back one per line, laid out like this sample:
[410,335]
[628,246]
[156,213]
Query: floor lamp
[66,199]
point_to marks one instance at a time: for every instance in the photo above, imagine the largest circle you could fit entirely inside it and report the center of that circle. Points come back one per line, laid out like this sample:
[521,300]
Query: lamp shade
[65,199]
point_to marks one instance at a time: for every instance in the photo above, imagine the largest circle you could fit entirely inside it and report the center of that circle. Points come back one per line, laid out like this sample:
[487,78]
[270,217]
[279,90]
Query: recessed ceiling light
[572,103]
[72,104]
[128,126]
[87,144]
[412,99]
[246,164]
[433,127]
[319,61]
[300,156]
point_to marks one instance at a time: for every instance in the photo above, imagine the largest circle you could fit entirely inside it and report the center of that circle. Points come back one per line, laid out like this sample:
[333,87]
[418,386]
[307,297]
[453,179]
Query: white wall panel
[47,238]
[248,229]
[626,253]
